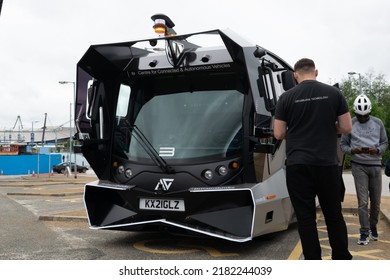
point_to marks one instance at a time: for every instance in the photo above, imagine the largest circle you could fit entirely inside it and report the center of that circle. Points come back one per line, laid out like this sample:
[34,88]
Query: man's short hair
[304,65]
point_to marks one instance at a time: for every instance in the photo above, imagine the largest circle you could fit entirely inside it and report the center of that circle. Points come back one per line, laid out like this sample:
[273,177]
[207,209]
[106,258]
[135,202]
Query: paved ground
[57,202]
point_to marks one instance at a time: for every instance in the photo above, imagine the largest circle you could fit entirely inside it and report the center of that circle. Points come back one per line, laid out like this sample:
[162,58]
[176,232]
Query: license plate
[161,204]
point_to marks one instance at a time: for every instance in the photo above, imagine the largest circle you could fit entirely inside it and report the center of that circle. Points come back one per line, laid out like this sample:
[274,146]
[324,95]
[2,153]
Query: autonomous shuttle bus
[178,130]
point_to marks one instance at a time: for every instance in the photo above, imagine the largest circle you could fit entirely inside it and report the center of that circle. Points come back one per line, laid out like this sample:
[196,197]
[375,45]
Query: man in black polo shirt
[309,116]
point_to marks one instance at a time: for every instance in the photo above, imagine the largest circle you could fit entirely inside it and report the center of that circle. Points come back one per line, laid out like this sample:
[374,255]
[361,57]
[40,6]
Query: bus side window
[122,133]
[123,101]
[91,95]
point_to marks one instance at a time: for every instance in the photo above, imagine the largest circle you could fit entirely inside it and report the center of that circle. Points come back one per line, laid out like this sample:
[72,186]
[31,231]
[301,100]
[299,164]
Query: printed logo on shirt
[311,99]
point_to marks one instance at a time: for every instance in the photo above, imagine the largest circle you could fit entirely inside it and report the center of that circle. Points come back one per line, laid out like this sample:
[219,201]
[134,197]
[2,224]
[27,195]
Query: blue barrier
[28,164]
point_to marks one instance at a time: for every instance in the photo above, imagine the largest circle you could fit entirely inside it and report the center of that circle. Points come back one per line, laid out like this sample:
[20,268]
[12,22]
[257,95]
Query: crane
[43,130]
[21,125]
[20,121]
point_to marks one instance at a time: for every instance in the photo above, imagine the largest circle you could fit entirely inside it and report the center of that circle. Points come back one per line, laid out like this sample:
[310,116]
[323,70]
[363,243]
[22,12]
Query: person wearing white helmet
[362,108]
[366,144]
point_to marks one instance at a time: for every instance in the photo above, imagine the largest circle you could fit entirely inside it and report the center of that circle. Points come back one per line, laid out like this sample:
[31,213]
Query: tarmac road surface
[43,218]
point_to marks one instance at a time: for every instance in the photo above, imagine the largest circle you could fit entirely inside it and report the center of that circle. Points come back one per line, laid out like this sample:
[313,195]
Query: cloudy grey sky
[42,40]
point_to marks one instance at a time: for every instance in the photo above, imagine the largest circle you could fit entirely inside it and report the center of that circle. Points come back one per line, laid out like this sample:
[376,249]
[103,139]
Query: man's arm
[344,124]
[345,144]
[383,140]
[280,129]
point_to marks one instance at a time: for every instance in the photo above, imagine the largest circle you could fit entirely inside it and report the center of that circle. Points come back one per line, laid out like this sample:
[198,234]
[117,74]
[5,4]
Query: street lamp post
[360,81]
[32,143]
[32,133]
[70,127]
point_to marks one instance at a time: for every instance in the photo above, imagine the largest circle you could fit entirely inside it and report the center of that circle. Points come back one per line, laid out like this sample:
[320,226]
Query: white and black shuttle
[178,129]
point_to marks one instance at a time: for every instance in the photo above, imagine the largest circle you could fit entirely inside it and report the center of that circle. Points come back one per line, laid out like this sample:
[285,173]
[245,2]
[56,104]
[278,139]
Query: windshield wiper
[151,151]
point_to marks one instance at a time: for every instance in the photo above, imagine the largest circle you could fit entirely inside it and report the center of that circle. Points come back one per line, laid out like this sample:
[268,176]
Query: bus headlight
[208,174]
[128,173]
[121,169]
[222,170]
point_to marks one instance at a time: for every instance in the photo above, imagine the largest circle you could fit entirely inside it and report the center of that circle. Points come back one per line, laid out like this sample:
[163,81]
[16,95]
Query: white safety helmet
[362,105]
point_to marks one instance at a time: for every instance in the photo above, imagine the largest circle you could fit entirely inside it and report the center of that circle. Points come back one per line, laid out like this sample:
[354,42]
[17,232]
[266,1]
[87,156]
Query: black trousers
[304,183]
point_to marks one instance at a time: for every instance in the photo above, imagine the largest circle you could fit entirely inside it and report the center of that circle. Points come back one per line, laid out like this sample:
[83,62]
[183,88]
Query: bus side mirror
[288,80]
[91,98]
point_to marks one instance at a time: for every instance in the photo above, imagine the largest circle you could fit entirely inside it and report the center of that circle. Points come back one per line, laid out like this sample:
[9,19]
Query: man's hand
[373,151]
[365,150]
[357,150]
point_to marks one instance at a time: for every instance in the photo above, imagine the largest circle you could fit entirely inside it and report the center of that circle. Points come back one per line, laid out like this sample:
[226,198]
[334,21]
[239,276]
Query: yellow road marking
[145,245]
[141,245]
[296,252]
[367,254]
[350,215]
[212,251]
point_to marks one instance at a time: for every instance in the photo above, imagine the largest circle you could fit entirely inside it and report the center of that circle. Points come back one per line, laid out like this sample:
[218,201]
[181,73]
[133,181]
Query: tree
[378,90]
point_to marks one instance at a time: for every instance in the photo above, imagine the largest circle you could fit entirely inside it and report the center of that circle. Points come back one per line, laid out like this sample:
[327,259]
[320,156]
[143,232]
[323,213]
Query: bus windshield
[180,126]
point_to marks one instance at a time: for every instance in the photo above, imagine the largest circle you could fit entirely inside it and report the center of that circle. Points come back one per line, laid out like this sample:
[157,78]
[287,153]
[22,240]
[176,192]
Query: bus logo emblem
[167,152]
[164,184]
